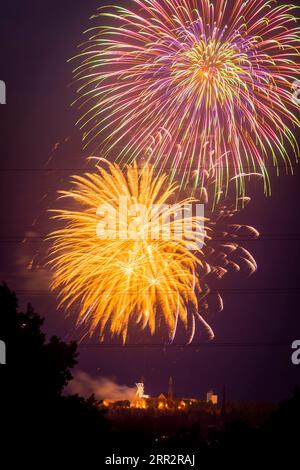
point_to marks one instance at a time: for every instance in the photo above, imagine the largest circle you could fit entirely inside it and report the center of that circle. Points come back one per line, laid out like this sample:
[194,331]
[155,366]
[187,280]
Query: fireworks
[139,268]
[204,92]
[193,85]
[125,255]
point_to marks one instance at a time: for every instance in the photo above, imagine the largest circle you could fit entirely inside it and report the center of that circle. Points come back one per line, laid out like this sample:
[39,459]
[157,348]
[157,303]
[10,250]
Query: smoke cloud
[104,388]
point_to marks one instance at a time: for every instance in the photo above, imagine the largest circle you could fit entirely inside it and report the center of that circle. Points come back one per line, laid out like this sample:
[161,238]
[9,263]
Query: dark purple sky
[36,39]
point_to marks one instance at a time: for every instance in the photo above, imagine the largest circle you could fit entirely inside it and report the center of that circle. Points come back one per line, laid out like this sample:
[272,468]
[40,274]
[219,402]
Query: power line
[31,169]
[261,238]
[236,291]
[209,345]
[11,170]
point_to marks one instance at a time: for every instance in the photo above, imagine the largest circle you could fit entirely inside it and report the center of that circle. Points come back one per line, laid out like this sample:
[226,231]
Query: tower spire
[170,389]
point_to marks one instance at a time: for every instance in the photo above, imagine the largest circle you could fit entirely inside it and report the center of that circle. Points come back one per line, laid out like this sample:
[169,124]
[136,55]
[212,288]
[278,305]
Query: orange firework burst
[124,254]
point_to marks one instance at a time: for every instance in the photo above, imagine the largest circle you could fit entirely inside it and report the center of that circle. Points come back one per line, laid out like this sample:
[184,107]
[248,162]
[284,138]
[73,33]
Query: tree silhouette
[281,432]
[32,382]
[35,369]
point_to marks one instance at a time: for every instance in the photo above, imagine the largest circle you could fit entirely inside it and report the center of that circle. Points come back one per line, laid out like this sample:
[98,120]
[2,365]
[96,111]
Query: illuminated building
[212,398]
[165,402]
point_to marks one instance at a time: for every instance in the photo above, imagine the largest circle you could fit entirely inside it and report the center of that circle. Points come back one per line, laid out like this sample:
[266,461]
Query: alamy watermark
[296,354]
[296,92]
[2,92]
[2,352]
[134,221]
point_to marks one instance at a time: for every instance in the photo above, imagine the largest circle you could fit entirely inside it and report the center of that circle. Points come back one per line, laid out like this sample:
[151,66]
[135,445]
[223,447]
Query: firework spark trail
[204,84]
[222,253]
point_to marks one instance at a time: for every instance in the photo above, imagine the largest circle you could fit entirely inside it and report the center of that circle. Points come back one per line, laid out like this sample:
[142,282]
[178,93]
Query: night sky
[41,148]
